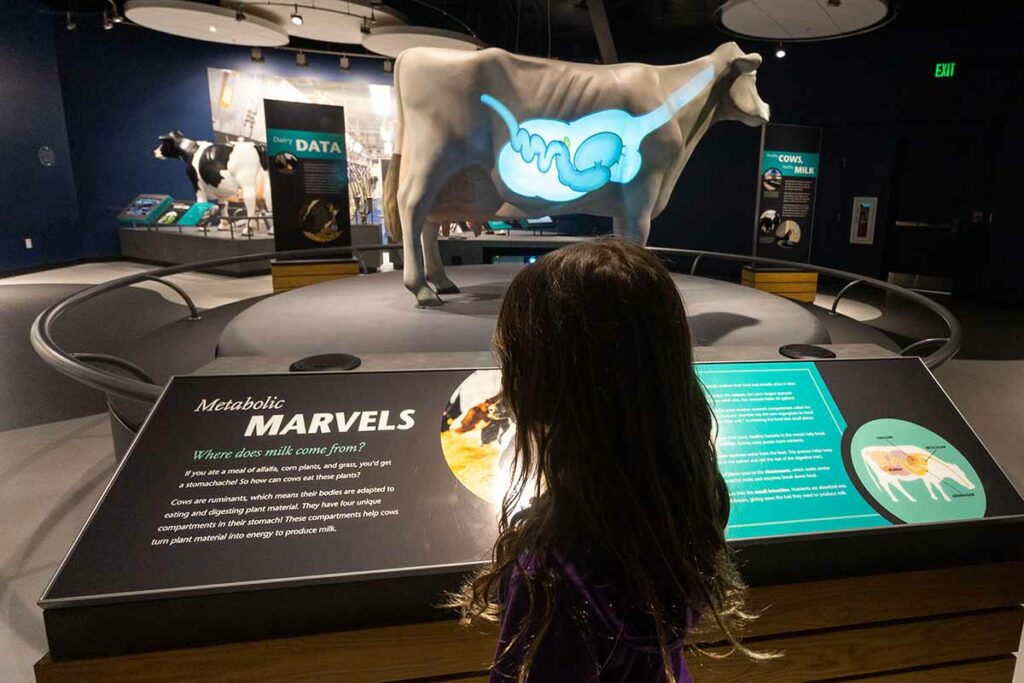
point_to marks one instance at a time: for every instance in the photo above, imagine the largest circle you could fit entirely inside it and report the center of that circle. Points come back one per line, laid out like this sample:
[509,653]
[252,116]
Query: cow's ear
[747,63]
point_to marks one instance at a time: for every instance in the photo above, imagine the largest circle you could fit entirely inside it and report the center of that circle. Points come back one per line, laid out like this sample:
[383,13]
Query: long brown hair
[615,446]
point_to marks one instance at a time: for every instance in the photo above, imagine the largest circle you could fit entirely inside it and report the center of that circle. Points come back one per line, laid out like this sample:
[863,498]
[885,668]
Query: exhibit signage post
[308,174]
[786,185]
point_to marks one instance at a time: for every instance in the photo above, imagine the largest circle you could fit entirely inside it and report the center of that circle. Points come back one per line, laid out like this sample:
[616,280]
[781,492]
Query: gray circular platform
[375,314]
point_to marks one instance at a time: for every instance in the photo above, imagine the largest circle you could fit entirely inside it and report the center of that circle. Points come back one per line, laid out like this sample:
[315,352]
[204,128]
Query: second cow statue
[493,135]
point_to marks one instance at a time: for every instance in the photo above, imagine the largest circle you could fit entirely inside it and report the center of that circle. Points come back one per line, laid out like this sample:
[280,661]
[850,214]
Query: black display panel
[258,482]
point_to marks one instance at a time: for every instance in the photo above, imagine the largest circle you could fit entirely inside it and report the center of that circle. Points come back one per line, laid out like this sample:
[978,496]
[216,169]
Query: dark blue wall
[123,88]
[36,201]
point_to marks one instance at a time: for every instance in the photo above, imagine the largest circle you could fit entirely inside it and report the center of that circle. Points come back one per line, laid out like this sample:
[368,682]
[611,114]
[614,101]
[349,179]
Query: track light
[296,17]
[107,23]
[239,13]
[115,16]
[780,52]
[256,54]
[69,22]
[300,59]
[343,63]
[388,66]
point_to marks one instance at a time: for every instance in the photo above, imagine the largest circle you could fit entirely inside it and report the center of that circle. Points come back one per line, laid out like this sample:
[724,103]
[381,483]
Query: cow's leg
[415,198]
[938,485]
[886,485]
[633,229]
[931,487]
[638,203]
[249,199]
[436,274]
[899,485]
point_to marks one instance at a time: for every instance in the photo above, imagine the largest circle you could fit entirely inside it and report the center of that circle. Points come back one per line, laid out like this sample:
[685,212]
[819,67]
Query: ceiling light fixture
[300,59]
[780,52]
[256,54]
[296,17]
[69,22]
[388,66]
[343,63]
[107,23]
[115,16]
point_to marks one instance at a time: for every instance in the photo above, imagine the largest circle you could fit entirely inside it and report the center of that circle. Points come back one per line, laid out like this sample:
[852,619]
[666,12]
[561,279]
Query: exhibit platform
[376,314]
[174,246]
[177,245]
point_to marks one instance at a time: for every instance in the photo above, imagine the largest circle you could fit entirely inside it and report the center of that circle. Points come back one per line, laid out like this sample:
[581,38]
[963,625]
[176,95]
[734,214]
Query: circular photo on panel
[771,180]
[478,436]
[286,163]
[787,234]
[768,222]
[915,474]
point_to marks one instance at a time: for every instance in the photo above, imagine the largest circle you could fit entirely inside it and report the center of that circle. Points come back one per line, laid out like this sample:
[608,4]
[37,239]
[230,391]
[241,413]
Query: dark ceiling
[640,28]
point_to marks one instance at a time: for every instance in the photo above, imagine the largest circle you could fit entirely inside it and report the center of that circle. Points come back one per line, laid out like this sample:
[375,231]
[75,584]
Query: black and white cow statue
[223,172]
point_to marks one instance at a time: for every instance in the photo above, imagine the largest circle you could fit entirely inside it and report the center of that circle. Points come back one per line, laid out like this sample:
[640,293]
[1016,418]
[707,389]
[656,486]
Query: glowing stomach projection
[563,160]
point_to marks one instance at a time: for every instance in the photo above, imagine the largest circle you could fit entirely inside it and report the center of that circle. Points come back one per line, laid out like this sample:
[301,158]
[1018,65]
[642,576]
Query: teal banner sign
[792,164]
[306,144]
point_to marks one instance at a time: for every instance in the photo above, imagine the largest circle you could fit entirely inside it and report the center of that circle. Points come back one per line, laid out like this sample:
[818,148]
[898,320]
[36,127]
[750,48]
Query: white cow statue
[493,135]
[890,466]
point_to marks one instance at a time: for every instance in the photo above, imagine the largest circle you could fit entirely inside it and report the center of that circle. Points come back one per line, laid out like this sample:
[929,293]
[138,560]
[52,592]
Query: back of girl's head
[614,434]
[612,422]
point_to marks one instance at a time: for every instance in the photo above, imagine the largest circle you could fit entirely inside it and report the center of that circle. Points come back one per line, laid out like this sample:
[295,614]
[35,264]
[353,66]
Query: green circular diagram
[915,474]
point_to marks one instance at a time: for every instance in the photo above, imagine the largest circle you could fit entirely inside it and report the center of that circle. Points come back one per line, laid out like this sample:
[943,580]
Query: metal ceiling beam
[602,31]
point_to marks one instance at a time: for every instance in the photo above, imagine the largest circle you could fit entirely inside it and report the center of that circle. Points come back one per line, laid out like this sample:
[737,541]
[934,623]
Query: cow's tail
[392,219]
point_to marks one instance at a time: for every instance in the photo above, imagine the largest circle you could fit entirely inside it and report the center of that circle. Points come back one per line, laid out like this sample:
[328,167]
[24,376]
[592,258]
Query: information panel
[787,183]
[308,174]
[284,479]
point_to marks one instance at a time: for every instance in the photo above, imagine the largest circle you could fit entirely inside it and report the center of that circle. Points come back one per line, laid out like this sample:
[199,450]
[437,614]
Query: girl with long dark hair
[611,540]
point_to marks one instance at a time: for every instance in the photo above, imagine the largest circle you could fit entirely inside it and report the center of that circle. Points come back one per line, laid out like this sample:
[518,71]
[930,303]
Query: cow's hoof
[449,288]
[426,298]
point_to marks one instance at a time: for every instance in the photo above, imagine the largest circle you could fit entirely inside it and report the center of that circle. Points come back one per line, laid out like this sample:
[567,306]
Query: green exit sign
[944,69]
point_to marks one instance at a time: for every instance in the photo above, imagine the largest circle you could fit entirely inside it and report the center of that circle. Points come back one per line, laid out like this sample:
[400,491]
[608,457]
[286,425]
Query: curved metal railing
[65,362]
[949,345]
[72,365]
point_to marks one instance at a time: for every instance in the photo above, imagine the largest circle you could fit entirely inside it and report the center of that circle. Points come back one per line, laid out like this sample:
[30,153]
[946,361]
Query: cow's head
[742,102]
[174,145]
[956,473]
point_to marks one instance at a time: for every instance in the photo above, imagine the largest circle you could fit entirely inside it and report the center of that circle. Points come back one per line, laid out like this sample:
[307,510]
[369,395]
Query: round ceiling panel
[330,21]
[796,20]
[391,40]
[205,22]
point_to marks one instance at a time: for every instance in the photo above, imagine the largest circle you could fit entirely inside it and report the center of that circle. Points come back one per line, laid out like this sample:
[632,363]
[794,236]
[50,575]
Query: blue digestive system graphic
[539,161]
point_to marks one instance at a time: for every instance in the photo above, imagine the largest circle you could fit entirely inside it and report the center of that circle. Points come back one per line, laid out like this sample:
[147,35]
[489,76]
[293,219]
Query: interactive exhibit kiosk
[267,525]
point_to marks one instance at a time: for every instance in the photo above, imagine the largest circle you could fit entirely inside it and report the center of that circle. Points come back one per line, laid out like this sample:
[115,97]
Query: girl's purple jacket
[590,639]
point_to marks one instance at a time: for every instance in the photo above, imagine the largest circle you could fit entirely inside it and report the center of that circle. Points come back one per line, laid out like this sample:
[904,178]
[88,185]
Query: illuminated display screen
[561,160]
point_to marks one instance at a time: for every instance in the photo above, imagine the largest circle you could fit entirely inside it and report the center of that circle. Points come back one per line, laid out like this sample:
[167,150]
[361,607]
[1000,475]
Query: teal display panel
[839,446]
[779,447]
